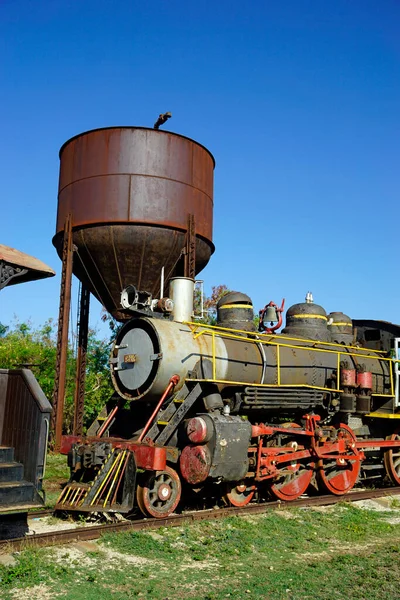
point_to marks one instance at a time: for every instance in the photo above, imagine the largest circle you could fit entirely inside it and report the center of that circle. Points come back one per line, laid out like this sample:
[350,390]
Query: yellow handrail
[214,362]
[278,363]
[195,326]
[233,334]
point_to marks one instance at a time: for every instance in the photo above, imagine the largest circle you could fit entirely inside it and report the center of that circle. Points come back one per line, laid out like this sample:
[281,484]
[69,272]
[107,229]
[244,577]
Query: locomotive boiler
[231,411]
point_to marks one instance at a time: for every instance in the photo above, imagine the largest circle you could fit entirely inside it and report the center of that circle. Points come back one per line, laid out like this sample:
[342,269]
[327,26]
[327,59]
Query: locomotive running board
[168,418]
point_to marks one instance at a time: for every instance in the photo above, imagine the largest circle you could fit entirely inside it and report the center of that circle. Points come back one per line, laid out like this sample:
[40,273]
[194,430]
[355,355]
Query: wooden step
[16,492]
[6,454]
[11,471]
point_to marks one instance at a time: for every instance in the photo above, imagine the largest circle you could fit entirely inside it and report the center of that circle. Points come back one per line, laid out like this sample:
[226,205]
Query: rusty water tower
[135,206]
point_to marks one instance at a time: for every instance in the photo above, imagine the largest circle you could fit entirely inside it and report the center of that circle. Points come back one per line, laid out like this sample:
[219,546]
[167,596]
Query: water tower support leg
[62,336]
[190,254]
[83,329]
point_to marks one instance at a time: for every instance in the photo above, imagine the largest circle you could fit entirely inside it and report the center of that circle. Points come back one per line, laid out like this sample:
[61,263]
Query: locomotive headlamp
[128,296]
[132,299]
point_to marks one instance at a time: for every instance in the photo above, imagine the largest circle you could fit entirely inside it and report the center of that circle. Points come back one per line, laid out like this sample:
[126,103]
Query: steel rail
[44,512]
[53,538]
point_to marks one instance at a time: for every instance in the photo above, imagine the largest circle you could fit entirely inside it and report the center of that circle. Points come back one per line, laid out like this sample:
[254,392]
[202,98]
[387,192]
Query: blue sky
[297,100]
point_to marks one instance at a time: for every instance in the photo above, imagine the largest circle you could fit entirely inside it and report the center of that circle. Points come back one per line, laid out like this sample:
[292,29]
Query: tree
[98,387]
[209,303]
[24,346]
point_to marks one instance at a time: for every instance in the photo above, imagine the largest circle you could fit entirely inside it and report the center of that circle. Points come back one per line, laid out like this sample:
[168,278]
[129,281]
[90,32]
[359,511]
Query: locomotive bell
[270,315]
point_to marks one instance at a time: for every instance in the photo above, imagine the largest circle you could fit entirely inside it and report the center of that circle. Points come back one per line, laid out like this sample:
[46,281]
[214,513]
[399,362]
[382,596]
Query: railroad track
[42,512]
[93,532]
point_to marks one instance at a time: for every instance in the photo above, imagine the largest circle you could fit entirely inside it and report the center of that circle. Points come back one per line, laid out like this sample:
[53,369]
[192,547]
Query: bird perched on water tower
[163,118]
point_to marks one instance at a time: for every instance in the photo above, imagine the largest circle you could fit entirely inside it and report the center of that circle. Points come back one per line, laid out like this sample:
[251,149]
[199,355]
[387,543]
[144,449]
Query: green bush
[24,346]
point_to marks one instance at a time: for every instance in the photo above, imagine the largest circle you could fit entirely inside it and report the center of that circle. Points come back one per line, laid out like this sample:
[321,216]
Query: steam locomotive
[241,410]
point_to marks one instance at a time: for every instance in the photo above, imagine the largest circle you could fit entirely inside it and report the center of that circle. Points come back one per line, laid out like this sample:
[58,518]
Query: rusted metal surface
[130,191]
[18,267]
[190,256]
[195,463]
[62,335]
[197,430]
[348,378]
[95,532]
[364,380]
[24,421]
[83,329]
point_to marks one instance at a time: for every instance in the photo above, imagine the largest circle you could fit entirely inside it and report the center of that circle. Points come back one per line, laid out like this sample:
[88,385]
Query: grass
[395,503]
[56,467]
[342,553]
[56,474]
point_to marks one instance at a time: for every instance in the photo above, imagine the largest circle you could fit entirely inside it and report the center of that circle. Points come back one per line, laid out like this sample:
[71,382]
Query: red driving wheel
[391,460]
[293,478]
[338,475]
[239,493]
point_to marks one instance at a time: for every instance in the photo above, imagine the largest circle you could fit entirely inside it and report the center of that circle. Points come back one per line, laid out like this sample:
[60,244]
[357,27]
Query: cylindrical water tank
[130,191]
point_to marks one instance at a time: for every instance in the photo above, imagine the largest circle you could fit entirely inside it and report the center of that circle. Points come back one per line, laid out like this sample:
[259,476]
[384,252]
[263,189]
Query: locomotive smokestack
[181,291]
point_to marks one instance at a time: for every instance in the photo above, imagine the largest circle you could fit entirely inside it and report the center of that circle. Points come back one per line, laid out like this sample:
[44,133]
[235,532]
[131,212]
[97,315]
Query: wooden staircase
[15,492]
